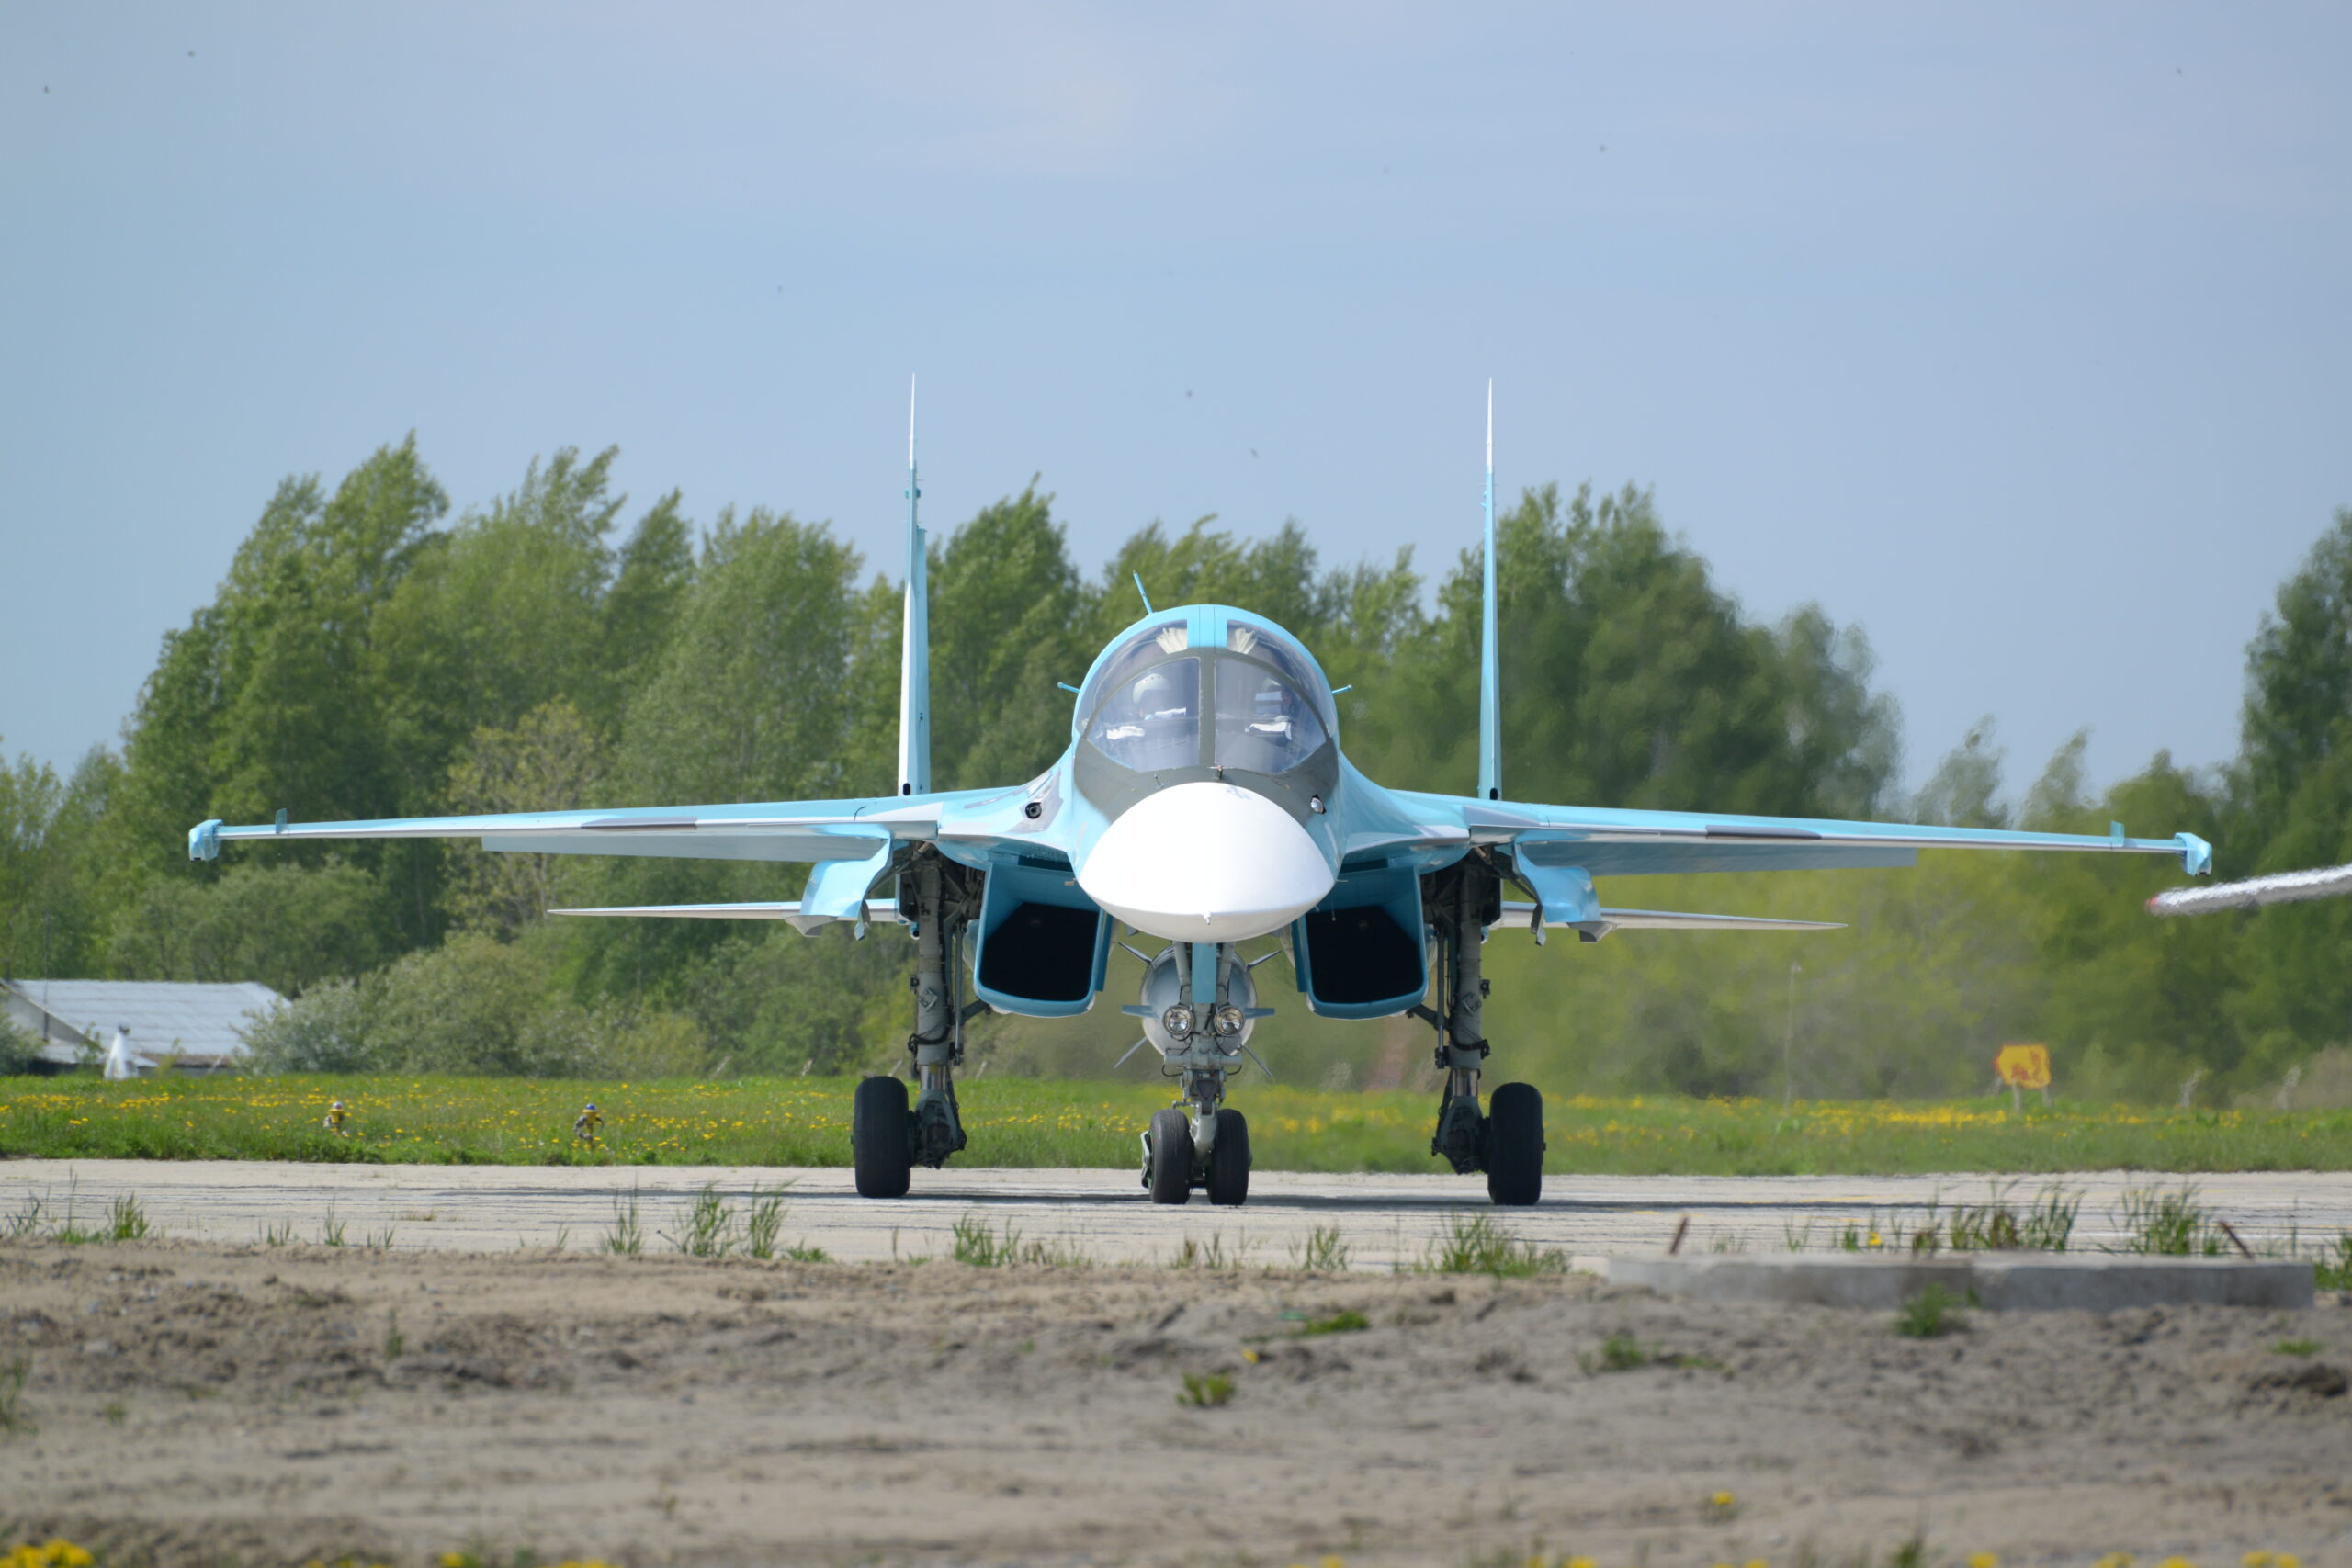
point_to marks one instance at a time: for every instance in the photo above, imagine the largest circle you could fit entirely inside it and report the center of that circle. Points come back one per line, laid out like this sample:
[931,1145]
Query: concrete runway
[1383,1220]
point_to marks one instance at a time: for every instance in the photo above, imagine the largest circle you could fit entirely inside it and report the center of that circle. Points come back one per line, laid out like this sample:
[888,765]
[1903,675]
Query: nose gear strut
[1198,1009]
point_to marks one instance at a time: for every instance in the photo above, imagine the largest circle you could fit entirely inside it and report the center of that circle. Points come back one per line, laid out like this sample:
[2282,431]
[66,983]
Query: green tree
[549,761]
[1007,620]
[52,859]
[287,926]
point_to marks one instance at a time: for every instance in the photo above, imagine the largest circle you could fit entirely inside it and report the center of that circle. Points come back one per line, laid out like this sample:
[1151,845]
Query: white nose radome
[1205,862]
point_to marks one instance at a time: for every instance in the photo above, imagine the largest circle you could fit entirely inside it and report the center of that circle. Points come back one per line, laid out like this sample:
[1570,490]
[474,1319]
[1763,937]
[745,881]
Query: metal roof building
[195,1025]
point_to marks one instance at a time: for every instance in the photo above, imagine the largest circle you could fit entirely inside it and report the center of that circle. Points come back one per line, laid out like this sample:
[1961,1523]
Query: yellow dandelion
[1332,1560]
[2258,1559]
[1580,1562]
[1250,1357]
[2176,1562]
[1983,1559]
[2287,1560]
[1722,1499]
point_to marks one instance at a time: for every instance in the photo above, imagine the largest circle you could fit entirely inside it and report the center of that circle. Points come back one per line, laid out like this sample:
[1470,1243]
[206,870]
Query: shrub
[17,1048]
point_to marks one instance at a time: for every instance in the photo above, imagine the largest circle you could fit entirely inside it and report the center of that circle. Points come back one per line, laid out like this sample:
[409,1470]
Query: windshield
[1145,648]
[1259,643]
[1263,727]
[1153,721]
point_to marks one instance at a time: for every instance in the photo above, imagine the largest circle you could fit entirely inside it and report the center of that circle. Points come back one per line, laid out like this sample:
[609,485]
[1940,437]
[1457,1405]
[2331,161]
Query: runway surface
[1384,1221]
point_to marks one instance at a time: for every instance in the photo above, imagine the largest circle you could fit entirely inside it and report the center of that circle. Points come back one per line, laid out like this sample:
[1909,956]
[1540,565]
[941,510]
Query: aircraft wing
[1603,842]
[849,842]
[1559,848]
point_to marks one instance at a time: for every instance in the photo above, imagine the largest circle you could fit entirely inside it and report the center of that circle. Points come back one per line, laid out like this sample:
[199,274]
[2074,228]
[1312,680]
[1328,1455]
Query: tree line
[370,655]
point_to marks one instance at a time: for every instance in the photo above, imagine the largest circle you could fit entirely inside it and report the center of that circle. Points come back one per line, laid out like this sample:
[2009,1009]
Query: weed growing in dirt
[2047,1225]
[802,1252]
[2334,1273]
[1323,1252]
[627,1236]
[1345,1321]
[114,1412]
[279,1233]
[766,1219]
[26,1221]
[395,1344]
[706,1227]
[1205,1391]
[13,1416]
[1621,1352]
[984,1248]
[1195,1253]
[331,1230]
[2169,1225]
[2297,1347]
[1475,1244]
[1932,1313]
[126,1220]
[381,1241]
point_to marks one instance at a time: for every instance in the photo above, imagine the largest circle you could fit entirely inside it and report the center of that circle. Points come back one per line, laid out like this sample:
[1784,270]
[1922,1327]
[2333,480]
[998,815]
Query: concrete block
[2003,1282]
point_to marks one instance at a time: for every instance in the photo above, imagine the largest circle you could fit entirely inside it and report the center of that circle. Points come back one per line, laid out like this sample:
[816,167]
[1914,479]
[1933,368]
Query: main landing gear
[1506,1142]
[1199,1005]
[887,1139]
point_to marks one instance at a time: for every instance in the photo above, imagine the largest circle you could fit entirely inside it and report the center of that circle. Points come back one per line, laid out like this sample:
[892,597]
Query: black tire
[1515,1145]
[878,1138]
[1172,1156]
[1229,1160]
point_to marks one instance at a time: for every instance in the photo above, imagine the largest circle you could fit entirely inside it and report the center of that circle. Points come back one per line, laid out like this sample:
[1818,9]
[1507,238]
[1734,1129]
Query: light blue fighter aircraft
[1202,802]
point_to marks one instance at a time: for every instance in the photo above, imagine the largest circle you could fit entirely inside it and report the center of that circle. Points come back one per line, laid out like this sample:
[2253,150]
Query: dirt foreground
[188,1404]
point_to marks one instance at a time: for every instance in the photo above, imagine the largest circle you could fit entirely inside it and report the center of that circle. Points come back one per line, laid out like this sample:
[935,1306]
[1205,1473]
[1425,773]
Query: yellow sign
[2023,1067]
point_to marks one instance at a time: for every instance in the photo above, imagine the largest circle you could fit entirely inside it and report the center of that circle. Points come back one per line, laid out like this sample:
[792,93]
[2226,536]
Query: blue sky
[2017,334]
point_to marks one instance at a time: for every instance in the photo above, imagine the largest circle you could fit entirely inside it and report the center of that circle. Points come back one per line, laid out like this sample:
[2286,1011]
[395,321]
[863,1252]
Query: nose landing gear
[1198,1009]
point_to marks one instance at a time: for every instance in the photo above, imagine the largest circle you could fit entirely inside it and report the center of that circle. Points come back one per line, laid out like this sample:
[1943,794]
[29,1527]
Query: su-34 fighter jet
[1203,802]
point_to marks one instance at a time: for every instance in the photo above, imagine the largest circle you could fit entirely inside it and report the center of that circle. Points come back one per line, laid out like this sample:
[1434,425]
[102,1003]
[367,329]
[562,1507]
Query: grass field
[1018,1121]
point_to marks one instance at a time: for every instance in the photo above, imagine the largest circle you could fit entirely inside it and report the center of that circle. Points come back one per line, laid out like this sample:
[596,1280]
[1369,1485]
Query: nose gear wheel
[1168,1170]
[1229,1173]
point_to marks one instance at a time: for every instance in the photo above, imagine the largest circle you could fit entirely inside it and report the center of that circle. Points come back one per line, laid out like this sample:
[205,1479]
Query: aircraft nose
[1205,862]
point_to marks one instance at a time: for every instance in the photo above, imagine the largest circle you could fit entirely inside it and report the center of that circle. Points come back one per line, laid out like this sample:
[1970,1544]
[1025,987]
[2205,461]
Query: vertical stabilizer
[914,644]
[1490,727]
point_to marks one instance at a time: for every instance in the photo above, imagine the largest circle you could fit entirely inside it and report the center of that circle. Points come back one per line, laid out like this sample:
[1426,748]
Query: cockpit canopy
[1270,711]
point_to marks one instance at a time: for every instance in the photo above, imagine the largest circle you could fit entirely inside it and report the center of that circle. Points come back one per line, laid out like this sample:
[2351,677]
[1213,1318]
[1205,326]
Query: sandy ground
[1385,1219]
[192,1402]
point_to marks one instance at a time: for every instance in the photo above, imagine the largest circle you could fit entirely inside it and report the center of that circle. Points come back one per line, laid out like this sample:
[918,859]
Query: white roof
[163,1016]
